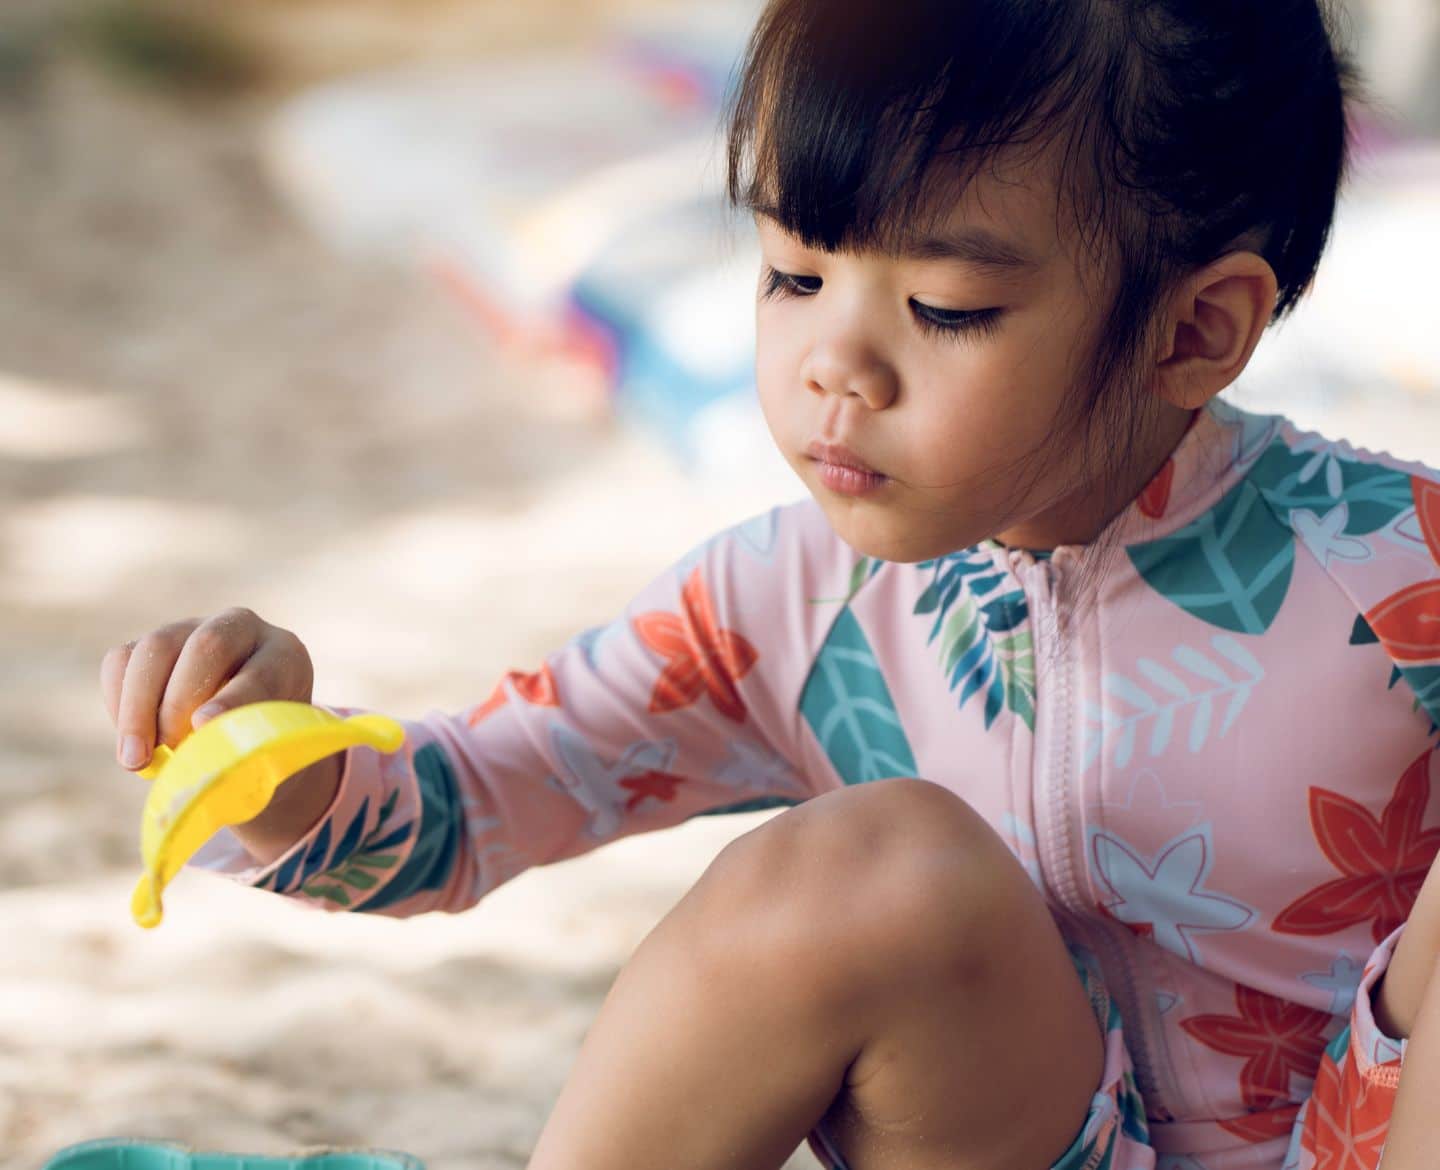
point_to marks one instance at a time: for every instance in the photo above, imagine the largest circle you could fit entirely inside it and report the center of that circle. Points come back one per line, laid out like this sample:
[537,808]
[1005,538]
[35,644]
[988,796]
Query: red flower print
[1263,1126]
[700,658]
[1156,495]
[660,785]
[1427,510]
[1277,1039]
[1383,862]
[1408,622]
[538,688]
[1348,1118]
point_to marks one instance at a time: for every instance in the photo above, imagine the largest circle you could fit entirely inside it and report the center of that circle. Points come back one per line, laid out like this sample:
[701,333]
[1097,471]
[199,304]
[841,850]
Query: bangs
[855,122]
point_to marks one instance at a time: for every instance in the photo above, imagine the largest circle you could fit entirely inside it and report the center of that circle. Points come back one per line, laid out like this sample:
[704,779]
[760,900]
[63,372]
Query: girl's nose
[848,367]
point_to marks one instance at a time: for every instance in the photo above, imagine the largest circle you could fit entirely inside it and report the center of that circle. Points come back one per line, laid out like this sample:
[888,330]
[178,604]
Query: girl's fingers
[161,687]
[275,671]
[146,672]
[112,678]
[214,652]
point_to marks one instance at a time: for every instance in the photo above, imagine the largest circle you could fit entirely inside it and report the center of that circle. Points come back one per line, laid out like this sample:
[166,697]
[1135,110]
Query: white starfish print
[595,785]
[1324,536]
[1166,895]
[1340,981]
[749,766]
[1327,454]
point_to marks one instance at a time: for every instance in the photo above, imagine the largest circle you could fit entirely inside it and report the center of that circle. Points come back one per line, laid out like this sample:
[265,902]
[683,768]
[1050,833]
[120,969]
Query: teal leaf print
[1317,476]
[1425,682]
[361,873]
[984,639]
[305,863]
[1230,568]
[318,859]
[1171,698]
[1361,634]
[437,842]
[763,802]
[848,706]
[1325,536]
[865,568]
[1133,1122]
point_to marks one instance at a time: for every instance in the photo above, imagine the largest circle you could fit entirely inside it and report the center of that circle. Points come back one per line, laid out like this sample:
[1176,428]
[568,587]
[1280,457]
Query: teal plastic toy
[122,1154]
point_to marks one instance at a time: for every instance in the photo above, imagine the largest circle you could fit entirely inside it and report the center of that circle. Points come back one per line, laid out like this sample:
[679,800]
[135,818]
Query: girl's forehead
[1012,194]
[1000,220]
[984,249]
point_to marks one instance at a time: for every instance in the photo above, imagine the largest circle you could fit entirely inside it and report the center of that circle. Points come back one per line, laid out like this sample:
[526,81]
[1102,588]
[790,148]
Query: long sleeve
[684,705]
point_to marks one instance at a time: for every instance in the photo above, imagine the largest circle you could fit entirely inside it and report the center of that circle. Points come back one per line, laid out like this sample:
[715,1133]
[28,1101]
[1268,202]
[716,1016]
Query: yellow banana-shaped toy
[226,772]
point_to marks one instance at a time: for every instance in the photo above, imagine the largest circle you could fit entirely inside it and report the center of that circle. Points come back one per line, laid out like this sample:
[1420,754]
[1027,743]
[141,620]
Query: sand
[201,407]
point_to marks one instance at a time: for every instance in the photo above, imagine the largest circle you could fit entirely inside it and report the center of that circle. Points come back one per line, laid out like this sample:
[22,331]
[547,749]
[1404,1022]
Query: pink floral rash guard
[1222,780]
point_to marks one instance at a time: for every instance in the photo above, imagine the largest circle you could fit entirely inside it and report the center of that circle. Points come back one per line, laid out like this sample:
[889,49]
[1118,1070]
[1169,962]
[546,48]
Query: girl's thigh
[989,1042]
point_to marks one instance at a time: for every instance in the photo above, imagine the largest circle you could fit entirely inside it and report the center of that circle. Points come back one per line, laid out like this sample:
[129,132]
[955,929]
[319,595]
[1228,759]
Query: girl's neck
[1084,515]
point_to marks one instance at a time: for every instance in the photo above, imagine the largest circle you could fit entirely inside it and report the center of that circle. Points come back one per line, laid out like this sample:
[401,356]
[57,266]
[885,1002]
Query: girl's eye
[951,322]
[787,284]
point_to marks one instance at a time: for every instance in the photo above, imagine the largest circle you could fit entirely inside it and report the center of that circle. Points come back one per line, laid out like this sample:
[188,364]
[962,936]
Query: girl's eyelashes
[931,320]
[787,284]
[956,321]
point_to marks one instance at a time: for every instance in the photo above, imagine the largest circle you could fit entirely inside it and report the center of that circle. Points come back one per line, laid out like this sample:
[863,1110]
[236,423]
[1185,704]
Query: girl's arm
[1408,1005]
[1413,1142]
[685,704]
[1406,981]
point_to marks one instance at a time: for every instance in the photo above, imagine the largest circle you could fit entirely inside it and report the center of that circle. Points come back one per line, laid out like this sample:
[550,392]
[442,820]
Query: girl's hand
[164,685]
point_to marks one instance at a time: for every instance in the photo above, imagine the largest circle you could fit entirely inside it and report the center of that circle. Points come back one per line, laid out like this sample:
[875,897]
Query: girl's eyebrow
[976,247]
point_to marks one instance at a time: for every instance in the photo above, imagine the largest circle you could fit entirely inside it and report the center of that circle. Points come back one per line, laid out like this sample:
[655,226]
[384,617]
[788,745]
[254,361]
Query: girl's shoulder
[1370,521]
[786,531]
[1351,506]
[1342,461]
[790,549]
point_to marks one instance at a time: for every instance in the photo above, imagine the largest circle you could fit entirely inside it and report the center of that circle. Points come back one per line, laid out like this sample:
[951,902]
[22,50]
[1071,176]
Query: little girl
[1108,709]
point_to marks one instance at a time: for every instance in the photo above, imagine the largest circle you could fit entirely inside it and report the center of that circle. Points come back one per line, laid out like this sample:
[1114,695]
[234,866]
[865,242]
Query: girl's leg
[874,957]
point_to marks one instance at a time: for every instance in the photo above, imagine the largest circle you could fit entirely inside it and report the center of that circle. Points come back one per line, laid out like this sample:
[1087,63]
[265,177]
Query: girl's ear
[1214,324]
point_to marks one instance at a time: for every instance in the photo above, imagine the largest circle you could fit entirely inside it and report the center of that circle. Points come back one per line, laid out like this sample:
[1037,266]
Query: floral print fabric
[1213,753]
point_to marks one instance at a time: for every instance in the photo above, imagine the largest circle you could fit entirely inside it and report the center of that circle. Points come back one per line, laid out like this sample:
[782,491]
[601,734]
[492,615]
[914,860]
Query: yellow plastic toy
[226,772]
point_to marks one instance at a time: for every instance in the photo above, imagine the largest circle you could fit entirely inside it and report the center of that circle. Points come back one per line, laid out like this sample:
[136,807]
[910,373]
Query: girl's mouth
[844,472]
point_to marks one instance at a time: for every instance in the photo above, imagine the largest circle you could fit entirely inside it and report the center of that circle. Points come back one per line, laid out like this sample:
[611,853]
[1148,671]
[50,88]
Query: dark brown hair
[1184,128]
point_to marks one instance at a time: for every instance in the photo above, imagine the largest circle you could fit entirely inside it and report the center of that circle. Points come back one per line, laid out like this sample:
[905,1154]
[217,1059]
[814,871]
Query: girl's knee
[895,871]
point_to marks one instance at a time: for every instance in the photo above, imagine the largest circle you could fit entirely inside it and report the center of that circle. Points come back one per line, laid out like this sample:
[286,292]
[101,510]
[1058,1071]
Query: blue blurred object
[124,1154]
[573,201]
[674,299]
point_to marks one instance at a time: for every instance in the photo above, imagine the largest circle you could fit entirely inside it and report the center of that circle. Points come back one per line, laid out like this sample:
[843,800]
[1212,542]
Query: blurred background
[389,319]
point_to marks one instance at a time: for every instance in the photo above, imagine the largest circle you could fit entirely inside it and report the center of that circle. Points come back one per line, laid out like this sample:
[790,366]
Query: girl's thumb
[205,714]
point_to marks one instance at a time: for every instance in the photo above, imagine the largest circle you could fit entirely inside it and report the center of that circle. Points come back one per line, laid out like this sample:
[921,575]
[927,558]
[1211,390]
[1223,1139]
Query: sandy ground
[200,407]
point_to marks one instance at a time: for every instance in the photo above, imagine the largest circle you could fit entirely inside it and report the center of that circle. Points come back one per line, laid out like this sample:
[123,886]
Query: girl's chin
[882,537]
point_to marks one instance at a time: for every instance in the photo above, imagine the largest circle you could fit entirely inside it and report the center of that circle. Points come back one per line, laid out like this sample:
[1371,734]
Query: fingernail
[132,751]
[205,714]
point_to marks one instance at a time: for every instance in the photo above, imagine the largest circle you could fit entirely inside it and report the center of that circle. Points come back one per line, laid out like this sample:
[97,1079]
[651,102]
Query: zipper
[1053,802]
[1050,783]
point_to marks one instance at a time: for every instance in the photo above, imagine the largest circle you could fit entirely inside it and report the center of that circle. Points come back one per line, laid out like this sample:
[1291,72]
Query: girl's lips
[838,456]
[844,472]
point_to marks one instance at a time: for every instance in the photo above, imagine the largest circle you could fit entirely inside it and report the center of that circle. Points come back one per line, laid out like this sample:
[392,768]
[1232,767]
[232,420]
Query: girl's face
[940,369]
